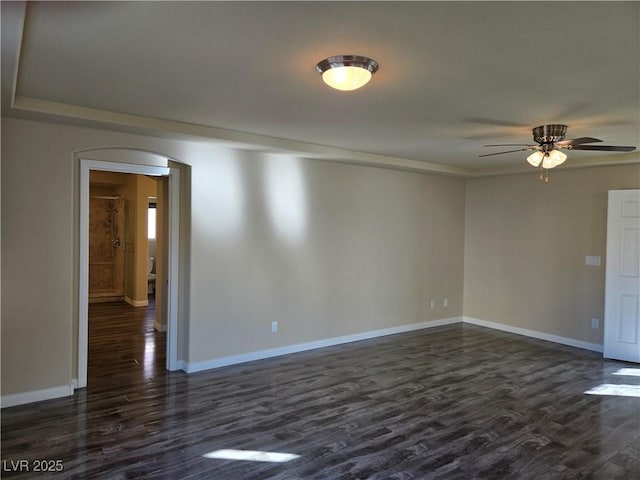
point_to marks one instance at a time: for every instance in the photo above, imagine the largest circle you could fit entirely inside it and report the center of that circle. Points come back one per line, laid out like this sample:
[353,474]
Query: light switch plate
[592,260]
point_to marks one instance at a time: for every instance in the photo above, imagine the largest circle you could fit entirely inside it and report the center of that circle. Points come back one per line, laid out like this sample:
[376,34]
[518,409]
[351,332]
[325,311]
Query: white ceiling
[453,76]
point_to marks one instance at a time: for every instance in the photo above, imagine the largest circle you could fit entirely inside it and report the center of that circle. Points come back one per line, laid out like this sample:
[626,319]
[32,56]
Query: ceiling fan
[550,139]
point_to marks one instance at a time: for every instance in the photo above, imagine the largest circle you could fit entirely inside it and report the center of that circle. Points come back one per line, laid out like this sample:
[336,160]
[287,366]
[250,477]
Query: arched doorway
[122,160]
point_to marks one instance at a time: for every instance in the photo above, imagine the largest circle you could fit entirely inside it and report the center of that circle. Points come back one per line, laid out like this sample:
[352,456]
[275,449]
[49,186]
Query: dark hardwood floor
[454,402]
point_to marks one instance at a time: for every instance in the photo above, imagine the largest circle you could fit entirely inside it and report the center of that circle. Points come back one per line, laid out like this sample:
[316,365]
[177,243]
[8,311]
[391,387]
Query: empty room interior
[320,240]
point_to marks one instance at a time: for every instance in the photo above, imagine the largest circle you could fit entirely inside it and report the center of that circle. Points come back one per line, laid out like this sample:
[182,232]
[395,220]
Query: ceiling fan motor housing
[549,134]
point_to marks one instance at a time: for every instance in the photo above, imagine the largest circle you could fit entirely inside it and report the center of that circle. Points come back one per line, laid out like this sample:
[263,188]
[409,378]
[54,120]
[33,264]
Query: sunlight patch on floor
[631,372]
[251,455]
[617,390]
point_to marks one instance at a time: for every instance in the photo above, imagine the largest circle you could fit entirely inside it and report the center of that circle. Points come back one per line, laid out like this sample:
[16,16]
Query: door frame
[86,166]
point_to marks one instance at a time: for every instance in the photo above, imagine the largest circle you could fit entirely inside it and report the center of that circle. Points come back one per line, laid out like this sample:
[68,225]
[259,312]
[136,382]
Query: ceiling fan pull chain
[544,176]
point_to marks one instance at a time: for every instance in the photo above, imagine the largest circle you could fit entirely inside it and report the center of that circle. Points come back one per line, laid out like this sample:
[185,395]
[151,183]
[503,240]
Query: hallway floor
[124,348]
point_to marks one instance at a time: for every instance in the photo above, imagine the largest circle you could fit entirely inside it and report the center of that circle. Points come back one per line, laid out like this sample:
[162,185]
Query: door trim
[83,275]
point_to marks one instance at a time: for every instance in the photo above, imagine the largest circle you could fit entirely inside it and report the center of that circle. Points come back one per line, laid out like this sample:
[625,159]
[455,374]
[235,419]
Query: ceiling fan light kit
[549,139]
[347,72]
[548,160]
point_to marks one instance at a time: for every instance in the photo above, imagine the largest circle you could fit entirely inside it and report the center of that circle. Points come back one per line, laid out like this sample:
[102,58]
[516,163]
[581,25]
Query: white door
[622,297]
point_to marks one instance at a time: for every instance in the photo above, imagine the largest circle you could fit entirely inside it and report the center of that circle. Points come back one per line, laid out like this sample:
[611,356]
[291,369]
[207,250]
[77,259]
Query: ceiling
[453,76]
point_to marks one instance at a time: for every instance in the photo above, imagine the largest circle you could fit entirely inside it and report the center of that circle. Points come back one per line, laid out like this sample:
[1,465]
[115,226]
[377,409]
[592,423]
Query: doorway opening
[152,306]
[125,243]
[126,338]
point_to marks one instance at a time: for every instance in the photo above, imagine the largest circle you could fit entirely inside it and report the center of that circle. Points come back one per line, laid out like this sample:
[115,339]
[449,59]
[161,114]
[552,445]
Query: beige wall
[526,244]
[144,187]
[37,220]
[161,253]
[325,249]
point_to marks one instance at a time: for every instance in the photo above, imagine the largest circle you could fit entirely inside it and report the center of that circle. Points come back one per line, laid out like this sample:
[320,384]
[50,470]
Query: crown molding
[90,117]
[46,110]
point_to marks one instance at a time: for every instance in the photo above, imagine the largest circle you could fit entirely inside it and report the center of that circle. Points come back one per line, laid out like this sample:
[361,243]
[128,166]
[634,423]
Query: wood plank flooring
[454,402]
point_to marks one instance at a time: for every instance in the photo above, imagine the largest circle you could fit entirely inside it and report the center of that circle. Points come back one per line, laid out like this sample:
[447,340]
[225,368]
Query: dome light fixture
[347,72]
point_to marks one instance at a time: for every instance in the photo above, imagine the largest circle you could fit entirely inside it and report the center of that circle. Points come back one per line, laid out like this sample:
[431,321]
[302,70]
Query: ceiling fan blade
[508,151]
[575,109]
[511,145]
[604,148]
[577,141]
[494,122]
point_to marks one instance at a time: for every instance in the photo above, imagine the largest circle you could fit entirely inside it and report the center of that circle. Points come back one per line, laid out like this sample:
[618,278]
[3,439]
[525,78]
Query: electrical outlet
[445,303]
[433,304]
[595,323]
[274,327]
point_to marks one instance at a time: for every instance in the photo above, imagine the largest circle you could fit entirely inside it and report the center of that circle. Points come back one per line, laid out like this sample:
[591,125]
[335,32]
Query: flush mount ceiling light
[347,72]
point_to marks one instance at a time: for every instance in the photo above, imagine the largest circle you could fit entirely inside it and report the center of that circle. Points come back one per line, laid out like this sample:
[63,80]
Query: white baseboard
[36,395]
[67,390]
[160,327]
[302,347]
[534,334]
[136,303]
